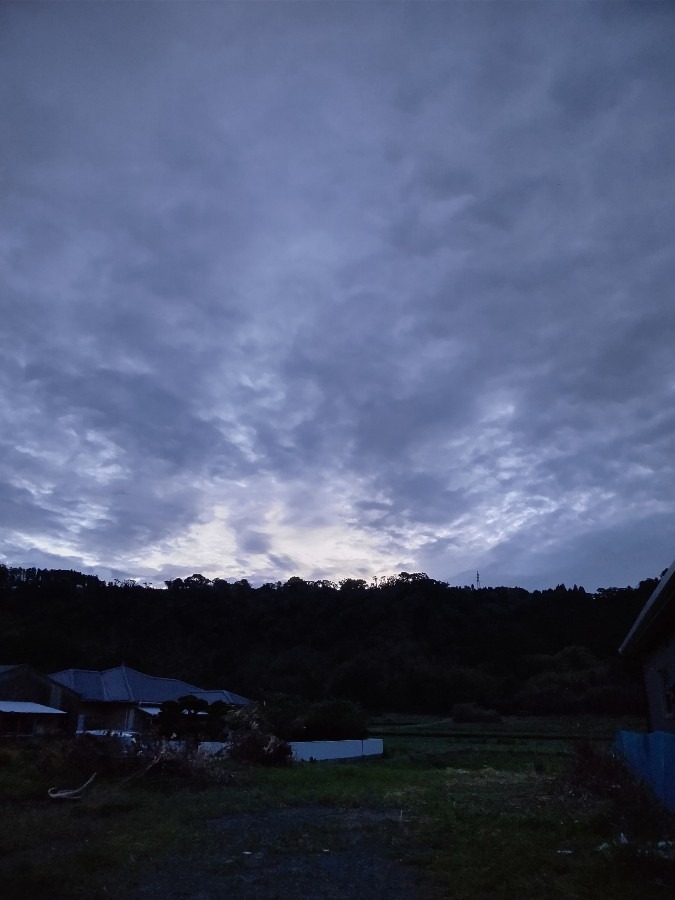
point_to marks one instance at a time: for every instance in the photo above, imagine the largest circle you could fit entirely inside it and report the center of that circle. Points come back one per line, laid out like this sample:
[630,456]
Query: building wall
[28,724]
[659,672]
[98,716]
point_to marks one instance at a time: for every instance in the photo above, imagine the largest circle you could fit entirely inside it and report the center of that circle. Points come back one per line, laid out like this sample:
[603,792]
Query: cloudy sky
[338,289]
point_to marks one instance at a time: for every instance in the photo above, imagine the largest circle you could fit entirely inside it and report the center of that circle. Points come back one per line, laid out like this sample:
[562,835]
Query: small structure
[651,756]
[21,718]
[652,640]
[32,703]
[123,699]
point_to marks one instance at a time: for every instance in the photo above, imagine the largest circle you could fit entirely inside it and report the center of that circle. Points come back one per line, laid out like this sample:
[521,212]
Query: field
[523,808]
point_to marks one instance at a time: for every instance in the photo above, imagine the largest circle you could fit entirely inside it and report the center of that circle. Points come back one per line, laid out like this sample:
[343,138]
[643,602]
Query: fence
[651,757]
[306,750]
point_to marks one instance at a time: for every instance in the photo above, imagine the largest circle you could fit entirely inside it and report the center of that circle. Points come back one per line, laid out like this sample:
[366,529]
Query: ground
[307,852]
[456,815]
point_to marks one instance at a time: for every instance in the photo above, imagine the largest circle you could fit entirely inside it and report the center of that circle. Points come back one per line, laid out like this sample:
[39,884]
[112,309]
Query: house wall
[97,716]
[659,674]
[110,716]
[27,724]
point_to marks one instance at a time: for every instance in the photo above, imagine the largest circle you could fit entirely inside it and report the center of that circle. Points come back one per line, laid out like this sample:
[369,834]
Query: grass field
[516,813]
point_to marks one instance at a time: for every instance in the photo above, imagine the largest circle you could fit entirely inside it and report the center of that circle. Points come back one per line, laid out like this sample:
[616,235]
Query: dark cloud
[331,289]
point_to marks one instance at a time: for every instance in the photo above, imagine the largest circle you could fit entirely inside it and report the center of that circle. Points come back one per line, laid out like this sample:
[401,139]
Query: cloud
[334,289]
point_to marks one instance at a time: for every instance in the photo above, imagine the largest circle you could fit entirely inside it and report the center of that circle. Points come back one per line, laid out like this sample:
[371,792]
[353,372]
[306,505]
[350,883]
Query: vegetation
[503,816]
[193,719]
[469,801]
[327,720]
[407,643]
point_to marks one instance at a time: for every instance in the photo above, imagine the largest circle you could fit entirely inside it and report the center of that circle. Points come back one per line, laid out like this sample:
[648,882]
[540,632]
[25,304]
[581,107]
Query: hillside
[406,643]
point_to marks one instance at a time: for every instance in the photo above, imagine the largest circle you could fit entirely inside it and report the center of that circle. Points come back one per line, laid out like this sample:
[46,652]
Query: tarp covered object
[651,757]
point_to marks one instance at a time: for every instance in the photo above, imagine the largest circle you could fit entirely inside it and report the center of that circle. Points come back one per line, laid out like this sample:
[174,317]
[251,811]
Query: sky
[333,289]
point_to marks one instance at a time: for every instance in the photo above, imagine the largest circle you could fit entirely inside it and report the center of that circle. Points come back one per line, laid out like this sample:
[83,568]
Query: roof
[4,669]
[652,616]
[125,685]
[24,706]
[24,669]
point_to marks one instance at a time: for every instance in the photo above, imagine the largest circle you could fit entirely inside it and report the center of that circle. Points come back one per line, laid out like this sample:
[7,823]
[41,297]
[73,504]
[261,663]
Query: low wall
[306,750]
[303,751]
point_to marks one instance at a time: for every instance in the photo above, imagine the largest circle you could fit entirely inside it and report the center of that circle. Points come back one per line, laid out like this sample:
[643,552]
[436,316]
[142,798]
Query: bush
[335,720]
[259,748]
[295,720]
[192,771]
[285,717]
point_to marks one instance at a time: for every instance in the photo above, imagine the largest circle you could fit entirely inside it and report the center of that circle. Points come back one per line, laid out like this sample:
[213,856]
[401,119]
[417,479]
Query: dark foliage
[407,643]
[326,720]
[193,719]
[255,738]
[260,749]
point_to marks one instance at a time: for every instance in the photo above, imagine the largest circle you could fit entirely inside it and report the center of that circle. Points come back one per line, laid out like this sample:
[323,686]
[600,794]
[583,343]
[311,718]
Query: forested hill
[406,643]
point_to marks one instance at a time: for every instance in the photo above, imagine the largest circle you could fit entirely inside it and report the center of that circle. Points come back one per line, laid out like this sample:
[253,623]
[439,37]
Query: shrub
[285,717]
[335,720]
[295,720]
[192,771]
[259,748]
[105,754]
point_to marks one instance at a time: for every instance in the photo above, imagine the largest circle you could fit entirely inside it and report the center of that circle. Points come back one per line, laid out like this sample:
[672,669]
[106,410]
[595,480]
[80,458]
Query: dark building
[32,703]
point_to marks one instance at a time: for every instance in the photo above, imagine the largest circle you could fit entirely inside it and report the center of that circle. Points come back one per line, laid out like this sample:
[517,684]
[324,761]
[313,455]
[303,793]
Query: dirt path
[306,853]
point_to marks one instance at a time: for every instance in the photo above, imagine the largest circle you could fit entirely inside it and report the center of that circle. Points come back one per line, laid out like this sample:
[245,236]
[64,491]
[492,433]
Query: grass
[499,818]
[568,728]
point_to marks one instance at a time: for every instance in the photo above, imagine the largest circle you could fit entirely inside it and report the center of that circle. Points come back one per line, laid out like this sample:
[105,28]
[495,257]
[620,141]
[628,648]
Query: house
[652,640]
[33,704]
[123,699]
[651,755]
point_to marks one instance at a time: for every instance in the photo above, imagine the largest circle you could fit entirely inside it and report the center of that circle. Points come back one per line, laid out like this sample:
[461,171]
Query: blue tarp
[651,757]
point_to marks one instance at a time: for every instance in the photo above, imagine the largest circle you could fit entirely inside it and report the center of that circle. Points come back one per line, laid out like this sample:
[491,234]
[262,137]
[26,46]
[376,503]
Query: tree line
[404,643]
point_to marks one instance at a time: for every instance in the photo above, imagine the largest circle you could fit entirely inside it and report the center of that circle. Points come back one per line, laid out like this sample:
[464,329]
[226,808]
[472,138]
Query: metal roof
[225,696]
[125,685]
[7,668]
[24,706]
[661,598]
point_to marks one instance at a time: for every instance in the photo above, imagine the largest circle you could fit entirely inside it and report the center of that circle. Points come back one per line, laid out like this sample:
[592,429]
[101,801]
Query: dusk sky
[338,290]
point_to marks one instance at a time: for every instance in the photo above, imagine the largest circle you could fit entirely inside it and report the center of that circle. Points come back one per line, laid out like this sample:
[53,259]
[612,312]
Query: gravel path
[306,853]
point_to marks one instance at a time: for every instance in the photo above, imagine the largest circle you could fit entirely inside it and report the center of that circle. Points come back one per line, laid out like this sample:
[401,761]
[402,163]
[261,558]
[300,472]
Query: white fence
[306,750]
[303,751]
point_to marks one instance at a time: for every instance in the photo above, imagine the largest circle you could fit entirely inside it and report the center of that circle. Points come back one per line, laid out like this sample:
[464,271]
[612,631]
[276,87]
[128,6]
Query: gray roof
[25,706]
[125,685]
[8,668]
[652,614]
